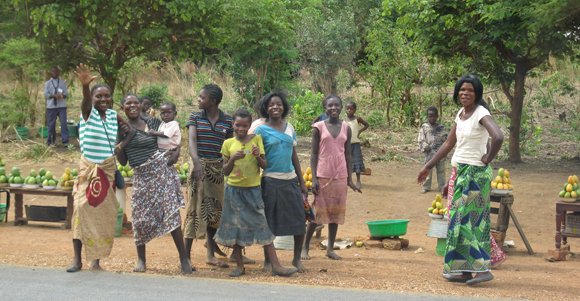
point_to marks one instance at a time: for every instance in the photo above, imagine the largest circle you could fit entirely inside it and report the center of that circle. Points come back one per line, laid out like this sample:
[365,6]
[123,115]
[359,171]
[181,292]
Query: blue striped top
[93,138]
[210,139]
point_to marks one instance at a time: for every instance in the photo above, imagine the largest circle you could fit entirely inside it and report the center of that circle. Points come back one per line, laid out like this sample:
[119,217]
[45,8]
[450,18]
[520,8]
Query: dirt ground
[389,193]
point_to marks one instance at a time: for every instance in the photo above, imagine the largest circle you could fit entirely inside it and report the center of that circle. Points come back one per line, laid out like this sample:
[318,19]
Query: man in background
[56,94]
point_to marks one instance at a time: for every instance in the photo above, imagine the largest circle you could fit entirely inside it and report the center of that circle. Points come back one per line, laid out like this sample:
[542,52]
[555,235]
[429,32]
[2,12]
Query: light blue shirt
[278,147]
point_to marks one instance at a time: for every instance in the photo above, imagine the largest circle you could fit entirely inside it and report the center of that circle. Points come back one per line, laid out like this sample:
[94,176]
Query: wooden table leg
[558,228]
[18,210]
[69,211]
[528,246]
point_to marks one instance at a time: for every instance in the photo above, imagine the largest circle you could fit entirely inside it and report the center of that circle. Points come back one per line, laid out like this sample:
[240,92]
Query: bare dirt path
[390,193]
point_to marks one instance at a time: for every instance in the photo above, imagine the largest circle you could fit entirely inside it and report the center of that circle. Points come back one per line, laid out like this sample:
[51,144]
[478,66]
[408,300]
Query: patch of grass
[556,131]
[35,152]
[566,157]
[390,157]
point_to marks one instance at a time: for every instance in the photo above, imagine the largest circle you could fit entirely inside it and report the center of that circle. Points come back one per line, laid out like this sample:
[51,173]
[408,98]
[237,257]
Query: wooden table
[19,193]
[561,209]
[504,212]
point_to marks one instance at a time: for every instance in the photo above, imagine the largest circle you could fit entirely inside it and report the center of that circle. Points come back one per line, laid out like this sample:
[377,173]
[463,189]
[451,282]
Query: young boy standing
[431,136]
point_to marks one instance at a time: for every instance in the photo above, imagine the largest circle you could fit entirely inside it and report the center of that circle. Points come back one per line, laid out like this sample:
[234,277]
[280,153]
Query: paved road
[34,283]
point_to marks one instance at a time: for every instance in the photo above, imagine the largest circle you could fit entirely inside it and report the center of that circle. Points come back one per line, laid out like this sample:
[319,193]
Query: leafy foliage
[552,86]
[106,34]
[259,47]
[22,57]
[307,107]
[328,42]
[502,39]
[158,93]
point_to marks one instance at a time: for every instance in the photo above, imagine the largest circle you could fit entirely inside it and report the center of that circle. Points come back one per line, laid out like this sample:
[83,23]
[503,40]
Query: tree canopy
[105,34]
[501,39]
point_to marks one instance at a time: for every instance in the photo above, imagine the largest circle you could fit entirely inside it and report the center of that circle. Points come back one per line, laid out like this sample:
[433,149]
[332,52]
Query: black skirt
[283,206]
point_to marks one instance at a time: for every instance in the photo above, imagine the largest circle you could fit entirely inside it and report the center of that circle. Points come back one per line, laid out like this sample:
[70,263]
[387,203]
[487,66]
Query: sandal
[477,280]
[452,278]
[74,268]
[218,263]
[237,273]
[288,273]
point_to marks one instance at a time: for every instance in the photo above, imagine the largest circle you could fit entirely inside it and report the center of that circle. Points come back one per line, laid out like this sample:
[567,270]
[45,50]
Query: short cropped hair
[124,99]
[433,109]
[171,104]
[95,87]
[242,113]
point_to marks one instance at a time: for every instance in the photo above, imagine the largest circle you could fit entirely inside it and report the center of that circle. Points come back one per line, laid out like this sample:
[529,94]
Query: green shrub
[158,93]
[307,107]
[16,104]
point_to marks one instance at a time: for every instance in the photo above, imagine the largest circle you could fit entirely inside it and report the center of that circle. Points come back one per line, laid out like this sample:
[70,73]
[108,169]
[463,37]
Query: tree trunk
[111,81]
[516,113]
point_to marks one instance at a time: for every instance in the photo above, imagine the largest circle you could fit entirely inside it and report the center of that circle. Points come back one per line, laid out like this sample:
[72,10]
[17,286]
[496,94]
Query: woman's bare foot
[304,255]
[186,267]
[332,255]
[267,267]
[217,250]
[299,266]
[95,266]
[141,267]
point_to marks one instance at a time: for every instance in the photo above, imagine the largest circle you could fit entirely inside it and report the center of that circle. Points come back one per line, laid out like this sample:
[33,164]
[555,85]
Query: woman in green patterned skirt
[468,243]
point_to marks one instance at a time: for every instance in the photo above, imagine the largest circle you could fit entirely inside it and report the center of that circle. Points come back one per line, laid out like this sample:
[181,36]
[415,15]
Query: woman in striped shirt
[156,196]
[207,131]
[95,205]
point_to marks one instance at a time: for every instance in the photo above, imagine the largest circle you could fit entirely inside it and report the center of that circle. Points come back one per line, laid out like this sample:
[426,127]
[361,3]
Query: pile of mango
[571,189]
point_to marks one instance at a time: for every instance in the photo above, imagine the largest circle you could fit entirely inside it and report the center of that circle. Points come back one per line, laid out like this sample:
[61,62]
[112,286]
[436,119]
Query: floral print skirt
[155,200]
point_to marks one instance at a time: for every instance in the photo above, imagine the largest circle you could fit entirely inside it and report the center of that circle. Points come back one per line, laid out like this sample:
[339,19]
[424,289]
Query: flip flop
[451,278]
[288,273]
[218,263]
[477,280]
[237,273]
[246,260]
[74,268]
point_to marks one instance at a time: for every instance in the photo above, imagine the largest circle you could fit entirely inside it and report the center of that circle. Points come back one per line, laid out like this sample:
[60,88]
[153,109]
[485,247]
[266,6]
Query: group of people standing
[231,202]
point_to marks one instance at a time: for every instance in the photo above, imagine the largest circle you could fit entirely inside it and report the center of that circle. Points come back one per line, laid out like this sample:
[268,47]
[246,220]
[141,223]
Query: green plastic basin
[388,227]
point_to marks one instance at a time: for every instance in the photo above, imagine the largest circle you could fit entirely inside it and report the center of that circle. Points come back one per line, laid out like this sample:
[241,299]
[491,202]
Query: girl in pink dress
[331,173]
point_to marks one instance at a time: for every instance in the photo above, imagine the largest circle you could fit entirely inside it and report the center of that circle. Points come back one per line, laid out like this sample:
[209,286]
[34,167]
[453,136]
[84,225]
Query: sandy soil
[389,193]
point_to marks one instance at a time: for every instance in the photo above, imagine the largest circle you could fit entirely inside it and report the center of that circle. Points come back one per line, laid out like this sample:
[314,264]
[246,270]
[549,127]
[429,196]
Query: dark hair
[124,99]
[95,87]
[242,113]
[171,104]
[54,67]
[433,109]
[266,100]
[143,98]
[215,92]
[331,96]
[477,86]
[350,102]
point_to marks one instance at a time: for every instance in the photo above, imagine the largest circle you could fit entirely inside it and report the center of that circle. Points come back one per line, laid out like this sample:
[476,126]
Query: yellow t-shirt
[246,172]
